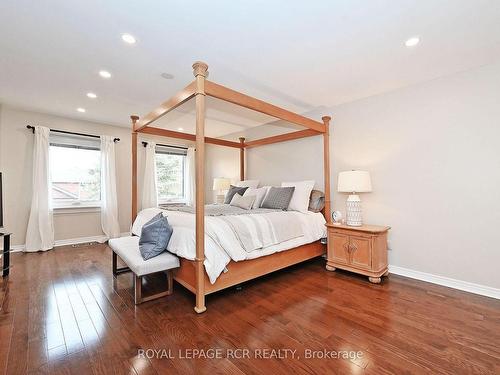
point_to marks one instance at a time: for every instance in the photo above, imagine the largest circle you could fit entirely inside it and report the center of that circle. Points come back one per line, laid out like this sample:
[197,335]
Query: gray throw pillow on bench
[232,191]
[278,197]
[155,235]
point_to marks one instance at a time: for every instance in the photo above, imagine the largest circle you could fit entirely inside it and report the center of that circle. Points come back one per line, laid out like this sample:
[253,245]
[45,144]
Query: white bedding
[221,244]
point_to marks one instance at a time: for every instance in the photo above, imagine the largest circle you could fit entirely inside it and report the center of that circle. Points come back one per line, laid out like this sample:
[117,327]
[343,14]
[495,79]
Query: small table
[358,249]
[5,254]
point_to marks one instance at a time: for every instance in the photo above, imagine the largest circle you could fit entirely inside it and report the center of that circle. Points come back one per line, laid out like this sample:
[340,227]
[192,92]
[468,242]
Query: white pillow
[248,183]
[267,187]
[301,194]
[243,202]
[142,218]
[259,195]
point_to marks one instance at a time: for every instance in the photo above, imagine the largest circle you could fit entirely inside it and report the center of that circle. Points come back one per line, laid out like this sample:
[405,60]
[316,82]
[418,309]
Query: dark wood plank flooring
[63,312]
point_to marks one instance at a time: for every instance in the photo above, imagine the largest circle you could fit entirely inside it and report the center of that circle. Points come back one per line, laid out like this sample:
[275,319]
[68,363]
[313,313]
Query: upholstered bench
[127,248]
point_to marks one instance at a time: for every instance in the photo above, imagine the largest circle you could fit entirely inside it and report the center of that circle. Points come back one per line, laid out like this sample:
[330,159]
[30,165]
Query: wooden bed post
[200,71]
[242,158]
[326,164]
[134,168]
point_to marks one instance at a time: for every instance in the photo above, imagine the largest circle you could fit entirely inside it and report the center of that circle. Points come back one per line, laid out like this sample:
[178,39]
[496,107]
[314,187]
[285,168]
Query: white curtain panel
[40,231]
[109,199]
[149,188]
[190,178]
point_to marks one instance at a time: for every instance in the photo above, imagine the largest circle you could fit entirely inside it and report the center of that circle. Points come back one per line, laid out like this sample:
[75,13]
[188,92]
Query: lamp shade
[354,182]
[221,183]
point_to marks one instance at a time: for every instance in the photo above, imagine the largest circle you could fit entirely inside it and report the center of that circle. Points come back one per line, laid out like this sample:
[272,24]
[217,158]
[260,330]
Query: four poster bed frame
[191,274]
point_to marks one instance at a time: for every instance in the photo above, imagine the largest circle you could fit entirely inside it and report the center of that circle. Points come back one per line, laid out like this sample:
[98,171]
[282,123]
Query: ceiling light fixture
[180,129]
[105,74]
[167,76]
[81,110]
[412,42]
[91,95]
[130,39]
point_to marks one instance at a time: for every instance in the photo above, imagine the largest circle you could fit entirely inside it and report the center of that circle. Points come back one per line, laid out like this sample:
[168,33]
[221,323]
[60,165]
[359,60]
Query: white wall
[220,162]
[433,151]
[16,147]
[288,161]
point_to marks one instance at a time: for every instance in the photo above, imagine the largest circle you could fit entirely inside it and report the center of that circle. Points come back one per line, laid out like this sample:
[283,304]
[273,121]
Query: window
[170,170]
[75,168]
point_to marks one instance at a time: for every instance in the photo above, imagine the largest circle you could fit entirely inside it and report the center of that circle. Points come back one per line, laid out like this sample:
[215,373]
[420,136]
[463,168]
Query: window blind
[170,150]
[74,141]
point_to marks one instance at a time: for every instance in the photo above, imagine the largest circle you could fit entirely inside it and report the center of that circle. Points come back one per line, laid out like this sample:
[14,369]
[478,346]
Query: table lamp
[354,182]
[221,184]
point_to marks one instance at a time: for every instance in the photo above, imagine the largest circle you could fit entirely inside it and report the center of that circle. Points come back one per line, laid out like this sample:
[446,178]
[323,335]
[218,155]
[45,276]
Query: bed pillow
[259,195]
[248,183]
[243,202]
[232,191]
[142,218]
[301,194]
[155,235]
[278,197]
[316,201]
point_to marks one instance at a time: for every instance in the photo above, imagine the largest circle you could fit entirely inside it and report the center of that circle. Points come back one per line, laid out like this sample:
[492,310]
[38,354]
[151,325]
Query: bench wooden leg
[116,270]
[138,289]
[170,282]
[114,261]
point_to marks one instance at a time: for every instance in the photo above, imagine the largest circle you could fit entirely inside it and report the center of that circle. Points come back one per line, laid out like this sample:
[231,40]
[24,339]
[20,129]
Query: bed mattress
[222,244]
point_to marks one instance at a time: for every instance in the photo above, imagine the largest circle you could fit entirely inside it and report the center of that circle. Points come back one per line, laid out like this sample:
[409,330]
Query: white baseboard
[76,241]
[16,248]
[71,241]
[446,281]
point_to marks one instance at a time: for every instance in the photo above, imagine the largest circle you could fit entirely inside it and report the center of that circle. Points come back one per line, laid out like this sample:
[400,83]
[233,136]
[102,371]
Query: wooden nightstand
[358,249]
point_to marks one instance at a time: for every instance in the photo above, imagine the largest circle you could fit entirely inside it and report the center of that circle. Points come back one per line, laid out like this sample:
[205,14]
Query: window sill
[76,210]
[171,204]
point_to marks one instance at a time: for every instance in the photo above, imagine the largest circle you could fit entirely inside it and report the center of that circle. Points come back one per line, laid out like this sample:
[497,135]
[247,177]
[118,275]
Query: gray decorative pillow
[234,190]
[316,201]
[278,197]
[155,235]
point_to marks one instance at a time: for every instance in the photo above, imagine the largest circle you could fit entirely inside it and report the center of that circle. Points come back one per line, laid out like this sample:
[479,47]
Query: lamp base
[353,211]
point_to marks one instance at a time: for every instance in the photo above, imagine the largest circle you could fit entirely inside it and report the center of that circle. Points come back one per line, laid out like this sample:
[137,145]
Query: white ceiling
[301,55]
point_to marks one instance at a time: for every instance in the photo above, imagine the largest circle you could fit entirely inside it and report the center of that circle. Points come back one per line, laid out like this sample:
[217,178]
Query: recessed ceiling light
[105,74]
[91,95]
[81,110]
[412,41]
[167,76]
[180,129]
[127,38]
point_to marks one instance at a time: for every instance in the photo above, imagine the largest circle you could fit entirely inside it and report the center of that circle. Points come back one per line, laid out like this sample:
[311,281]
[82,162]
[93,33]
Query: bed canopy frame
[191,273]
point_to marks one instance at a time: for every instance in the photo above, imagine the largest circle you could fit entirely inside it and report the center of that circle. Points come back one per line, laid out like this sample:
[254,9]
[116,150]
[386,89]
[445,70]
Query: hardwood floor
[62,312]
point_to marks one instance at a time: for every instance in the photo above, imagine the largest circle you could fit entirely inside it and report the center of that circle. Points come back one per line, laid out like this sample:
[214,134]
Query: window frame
[166,201]
[81,143]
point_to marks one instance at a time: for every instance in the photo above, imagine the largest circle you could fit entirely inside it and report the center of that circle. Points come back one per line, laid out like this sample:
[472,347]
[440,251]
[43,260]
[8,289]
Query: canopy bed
[191,273]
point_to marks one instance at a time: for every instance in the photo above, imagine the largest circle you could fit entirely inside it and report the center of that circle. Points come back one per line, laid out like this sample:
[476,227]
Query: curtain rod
[144,143]
[72,133]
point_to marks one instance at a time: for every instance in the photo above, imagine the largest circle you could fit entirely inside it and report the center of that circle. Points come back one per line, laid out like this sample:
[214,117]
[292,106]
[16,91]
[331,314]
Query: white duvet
[221,243]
